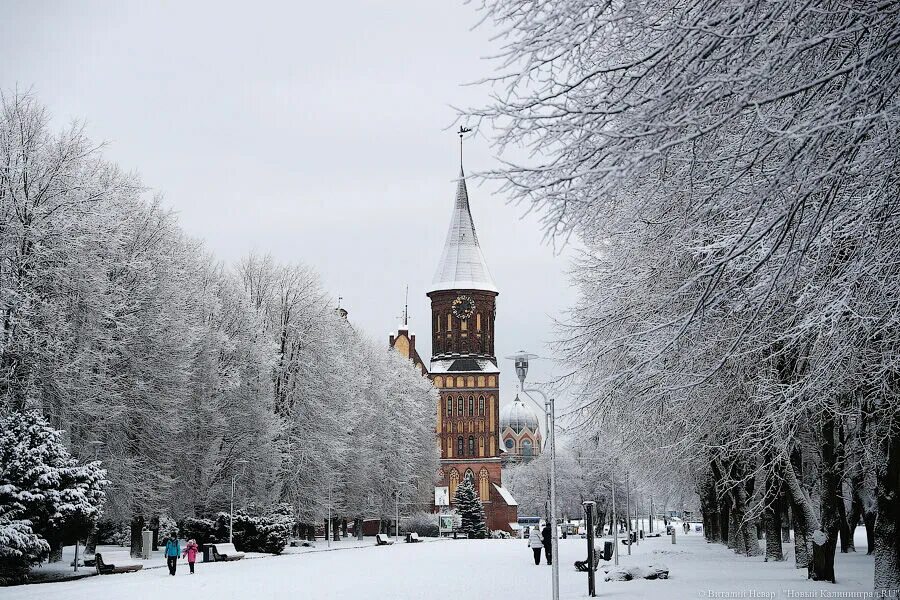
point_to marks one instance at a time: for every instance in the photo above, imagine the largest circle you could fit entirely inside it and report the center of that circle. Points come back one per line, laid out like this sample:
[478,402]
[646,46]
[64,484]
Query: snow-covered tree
[470,509]
[731,171]
[46,497]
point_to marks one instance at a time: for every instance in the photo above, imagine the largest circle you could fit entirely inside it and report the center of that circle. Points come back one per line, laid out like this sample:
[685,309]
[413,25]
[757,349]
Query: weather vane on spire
[462,131]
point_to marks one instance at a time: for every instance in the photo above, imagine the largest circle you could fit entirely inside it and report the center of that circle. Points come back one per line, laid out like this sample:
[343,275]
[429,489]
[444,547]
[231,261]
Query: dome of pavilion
[518,416]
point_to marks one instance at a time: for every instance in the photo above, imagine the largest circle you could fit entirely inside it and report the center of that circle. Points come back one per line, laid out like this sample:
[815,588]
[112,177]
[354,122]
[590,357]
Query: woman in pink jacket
[190,550]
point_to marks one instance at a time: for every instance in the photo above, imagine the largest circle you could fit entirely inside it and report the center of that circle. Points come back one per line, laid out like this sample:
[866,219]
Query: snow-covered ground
[495,569]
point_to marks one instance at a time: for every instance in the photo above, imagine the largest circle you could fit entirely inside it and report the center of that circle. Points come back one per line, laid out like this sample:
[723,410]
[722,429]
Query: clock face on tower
[463,307]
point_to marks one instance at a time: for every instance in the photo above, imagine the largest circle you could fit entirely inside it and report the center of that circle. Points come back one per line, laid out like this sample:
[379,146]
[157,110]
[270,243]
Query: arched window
[460,446]
[481,406]
[484,489]
[449,406]
[471,445]
[527,451]
[454,481]
[459,406]
[471,406]
[470,475]
[509,443]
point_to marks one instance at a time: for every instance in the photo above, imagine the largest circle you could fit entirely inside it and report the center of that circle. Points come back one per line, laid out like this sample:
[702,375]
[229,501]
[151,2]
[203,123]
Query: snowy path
[495,569]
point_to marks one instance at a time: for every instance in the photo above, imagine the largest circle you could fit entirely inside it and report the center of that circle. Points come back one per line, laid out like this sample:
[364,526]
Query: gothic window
[470,476]
[463,325]
[484,483]
[459,406]
[471,406]
[478,322]
[454,481]
[471,445]
[481,406]
[449,322]
[449,406]
[460,446]
[437,323]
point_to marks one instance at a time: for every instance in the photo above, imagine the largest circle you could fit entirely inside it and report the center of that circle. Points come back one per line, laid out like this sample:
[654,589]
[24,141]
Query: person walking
[534,542]
[548,543]
[173,551]
[190,551]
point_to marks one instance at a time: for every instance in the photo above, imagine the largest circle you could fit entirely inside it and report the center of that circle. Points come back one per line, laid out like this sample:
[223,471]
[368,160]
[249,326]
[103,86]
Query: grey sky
[311,131]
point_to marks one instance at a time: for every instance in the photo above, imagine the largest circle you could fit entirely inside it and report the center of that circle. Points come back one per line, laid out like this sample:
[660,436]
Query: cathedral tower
[464,368]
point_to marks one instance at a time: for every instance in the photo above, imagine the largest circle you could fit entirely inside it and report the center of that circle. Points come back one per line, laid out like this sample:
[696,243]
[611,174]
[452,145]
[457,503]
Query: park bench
[382,539]
[412,537]
[107,569]
[605,554]
[224,552]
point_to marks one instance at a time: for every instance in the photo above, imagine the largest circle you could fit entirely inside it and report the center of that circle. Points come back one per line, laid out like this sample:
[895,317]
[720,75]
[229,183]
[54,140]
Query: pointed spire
[462,265]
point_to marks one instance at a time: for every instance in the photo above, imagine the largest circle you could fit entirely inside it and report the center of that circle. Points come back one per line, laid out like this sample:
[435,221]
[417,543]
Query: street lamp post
[231,513]
[521,359]
[96,445]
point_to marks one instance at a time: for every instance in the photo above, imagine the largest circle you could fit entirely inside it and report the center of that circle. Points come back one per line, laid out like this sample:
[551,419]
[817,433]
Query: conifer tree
[470,509]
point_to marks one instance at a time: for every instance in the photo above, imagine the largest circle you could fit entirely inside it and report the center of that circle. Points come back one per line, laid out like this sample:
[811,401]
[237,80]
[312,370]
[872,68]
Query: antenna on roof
[461,132]
[406,307]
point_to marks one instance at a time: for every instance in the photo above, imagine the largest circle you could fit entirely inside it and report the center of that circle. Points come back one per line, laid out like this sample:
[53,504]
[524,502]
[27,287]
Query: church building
[463,367]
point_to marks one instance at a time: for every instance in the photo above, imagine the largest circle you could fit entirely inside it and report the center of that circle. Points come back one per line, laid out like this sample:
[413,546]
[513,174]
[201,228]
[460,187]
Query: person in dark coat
[547,539]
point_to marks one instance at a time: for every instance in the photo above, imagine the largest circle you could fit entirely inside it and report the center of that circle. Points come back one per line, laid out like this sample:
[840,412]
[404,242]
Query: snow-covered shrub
[203,531]
[46,497]
[423,523]
[268,533]
[117,533]
[167,525]
[20,549]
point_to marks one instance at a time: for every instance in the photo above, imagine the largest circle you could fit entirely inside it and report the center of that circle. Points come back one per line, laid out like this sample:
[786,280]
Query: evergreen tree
[470,508]
[46,497]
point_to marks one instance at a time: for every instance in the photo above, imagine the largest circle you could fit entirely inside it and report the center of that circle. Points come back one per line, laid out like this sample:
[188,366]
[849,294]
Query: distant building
[520,432]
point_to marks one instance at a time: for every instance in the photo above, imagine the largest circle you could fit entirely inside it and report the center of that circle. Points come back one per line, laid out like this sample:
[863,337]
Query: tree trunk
[56,551]
[772,519]
[825,539]
[785,518]
[343,527]
[358,528]
[137,526]
[90,547]
[805,522]
[869,519]
[335,532]
[886,531]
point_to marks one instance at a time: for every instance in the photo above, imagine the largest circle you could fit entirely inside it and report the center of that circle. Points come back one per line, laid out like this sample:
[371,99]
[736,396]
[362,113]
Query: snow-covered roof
[462,265]
[518,416]
[463,364]
[504,493]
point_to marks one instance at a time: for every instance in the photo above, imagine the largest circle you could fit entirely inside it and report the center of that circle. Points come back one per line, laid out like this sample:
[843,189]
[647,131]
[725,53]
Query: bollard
[673,535]
[146,543]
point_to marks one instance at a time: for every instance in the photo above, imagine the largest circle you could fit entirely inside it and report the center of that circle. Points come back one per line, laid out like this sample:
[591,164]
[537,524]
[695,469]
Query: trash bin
[207,553]
[607,550]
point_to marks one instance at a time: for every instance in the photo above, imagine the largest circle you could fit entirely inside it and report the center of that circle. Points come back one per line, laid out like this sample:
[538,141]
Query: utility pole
[615,520]
[628,509]
[651,513]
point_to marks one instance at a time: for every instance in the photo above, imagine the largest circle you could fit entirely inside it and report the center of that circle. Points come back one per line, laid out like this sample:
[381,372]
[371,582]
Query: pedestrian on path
[173,551]
[190,551]
[548,543]
[534,542]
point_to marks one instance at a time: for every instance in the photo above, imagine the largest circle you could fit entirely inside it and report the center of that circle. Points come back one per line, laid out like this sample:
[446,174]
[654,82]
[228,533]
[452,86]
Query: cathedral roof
[517,416]
[462,265]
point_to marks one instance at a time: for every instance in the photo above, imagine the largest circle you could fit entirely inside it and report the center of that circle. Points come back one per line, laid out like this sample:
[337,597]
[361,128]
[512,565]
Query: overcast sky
[317,132]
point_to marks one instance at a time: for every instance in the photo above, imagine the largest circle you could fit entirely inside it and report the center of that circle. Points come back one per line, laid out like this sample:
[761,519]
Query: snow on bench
[225,552]
[412,538]
[658,571]
[382,539]
[107,569]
